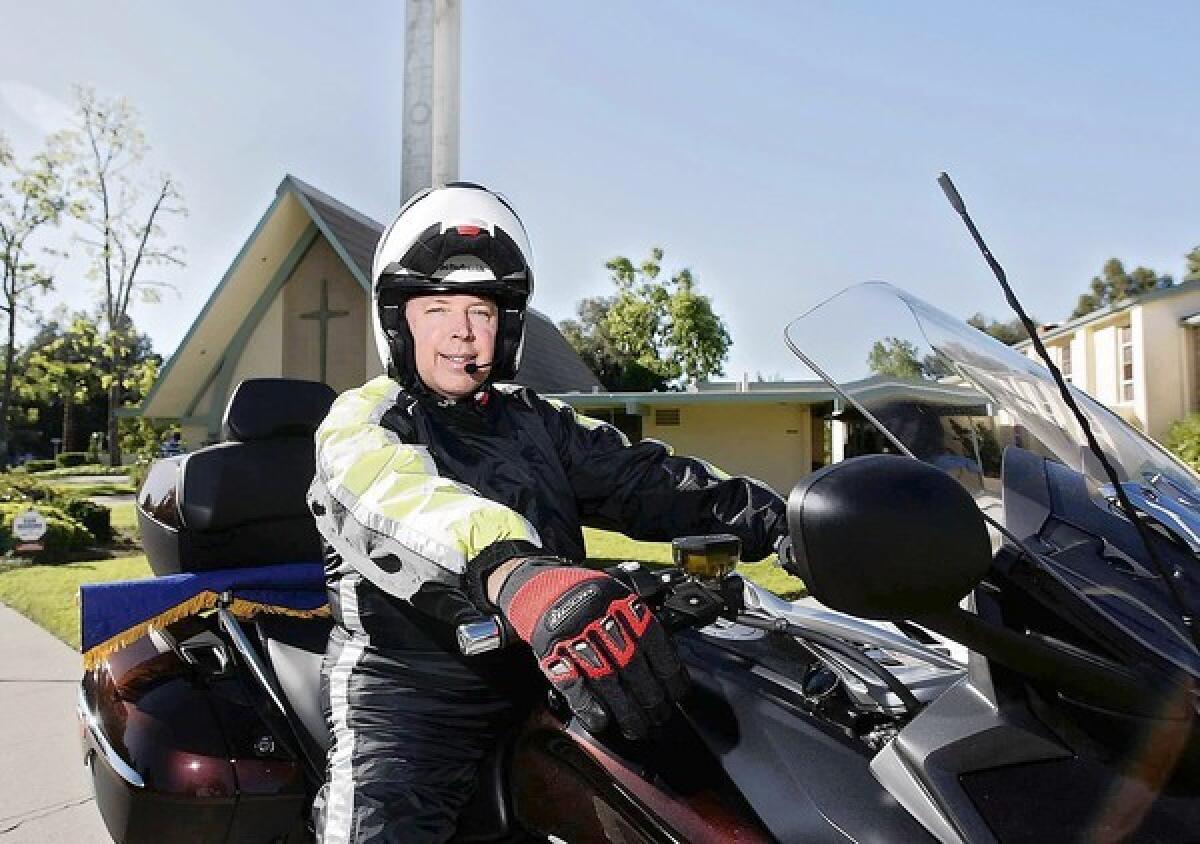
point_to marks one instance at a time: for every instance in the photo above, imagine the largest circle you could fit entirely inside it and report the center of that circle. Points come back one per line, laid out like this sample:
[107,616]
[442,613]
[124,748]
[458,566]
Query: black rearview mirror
[887,537]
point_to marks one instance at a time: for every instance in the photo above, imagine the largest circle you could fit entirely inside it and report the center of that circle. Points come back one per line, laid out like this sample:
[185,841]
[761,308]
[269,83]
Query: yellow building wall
[770,442]
[1166,385]
[345,340]
[1106,366]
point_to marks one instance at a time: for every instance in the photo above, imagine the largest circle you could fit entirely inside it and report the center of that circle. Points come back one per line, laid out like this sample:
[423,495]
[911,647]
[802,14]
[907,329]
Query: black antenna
[1170,578]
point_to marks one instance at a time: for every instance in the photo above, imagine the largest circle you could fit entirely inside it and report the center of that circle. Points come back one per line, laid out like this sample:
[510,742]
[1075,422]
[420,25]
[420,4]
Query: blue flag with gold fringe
[115,614]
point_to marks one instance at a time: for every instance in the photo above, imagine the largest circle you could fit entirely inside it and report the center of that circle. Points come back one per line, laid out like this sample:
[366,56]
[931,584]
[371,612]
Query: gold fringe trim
[242,609]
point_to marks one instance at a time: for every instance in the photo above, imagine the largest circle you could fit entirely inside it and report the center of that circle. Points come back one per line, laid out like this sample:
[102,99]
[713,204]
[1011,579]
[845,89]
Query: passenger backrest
[240,502]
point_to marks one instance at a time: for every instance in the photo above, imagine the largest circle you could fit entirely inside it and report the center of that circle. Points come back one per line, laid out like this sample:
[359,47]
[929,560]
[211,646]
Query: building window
[666,416]
[1064,362]
[1125,351]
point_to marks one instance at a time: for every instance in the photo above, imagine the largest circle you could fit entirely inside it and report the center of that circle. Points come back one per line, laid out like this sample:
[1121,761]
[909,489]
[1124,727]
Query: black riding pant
[411,725]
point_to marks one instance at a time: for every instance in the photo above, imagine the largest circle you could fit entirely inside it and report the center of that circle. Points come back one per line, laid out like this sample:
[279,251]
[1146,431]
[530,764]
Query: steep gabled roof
[298,212]
[352,235]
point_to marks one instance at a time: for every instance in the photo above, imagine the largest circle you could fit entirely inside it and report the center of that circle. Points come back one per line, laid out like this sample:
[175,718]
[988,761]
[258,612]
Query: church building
[295,303]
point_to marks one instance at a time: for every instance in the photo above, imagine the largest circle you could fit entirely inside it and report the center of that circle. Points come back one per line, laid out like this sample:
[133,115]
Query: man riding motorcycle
[443,495]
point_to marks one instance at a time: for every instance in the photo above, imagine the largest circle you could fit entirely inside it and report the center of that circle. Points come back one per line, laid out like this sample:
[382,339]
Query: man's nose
[463,329]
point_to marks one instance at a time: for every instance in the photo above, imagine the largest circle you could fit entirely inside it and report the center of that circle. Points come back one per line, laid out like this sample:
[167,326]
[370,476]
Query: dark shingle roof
[356,233]
[548,364]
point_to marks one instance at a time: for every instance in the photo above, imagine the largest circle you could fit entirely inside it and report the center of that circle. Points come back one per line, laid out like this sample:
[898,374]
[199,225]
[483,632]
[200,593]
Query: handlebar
[679,600]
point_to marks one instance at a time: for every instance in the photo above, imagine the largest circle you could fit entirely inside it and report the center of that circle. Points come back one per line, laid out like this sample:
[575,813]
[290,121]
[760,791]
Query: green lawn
[123,516]
[48,594]
[605,548]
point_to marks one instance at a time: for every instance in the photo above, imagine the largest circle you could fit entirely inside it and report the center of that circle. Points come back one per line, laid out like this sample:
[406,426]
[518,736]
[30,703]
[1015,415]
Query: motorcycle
[1069,715]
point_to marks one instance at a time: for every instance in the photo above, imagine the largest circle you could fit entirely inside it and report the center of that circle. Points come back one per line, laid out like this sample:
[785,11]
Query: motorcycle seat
[295,648]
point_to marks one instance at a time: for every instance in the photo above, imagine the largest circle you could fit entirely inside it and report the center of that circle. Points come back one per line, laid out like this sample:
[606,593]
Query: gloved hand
[596,642]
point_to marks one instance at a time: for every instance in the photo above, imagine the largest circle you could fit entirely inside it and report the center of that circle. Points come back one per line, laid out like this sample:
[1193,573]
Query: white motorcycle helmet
[460,238]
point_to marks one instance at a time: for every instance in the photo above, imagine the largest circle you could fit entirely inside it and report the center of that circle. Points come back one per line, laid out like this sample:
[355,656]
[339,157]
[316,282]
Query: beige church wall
[262,356]
[194,436]
[374,364]
[205,402]
[770,442]
[346,337]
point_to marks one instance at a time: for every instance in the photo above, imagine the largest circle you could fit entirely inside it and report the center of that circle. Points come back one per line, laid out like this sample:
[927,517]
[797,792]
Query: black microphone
[472,368]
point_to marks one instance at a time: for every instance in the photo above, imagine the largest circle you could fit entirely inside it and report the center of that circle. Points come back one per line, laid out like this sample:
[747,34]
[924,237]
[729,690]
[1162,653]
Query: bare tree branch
[128,233]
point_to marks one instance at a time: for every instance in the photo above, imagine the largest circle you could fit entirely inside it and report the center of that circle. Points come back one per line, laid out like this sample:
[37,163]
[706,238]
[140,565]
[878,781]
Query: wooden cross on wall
[323,315]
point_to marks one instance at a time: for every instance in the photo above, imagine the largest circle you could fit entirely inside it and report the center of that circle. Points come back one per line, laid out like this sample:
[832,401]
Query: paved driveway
[45,794]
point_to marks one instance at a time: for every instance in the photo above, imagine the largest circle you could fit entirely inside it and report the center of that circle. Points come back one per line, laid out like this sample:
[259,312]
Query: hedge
[74,522]
[18,487]
[95,517]
[72,458]
[39,465]
[63,533]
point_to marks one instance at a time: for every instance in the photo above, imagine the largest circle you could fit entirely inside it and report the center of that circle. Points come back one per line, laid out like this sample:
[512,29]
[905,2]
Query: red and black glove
[597,643]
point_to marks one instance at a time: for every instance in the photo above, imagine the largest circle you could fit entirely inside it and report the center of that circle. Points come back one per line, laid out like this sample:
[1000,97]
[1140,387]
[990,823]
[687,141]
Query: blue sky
[782,150]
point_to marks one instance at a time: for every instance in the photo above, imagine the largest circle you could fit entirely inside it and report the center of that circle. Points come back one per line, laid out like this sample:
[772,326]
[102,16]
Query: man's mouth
[459,360]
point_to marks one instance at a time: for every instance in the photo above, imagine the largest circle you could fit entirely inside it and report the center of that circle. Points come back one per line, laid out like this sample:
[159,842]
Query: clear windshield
[913,379]
[955,397]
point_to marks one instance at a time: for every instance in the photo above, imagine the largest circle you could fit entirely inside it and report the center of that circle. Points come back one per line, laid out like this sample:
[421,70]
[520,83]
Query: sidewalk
[45,792]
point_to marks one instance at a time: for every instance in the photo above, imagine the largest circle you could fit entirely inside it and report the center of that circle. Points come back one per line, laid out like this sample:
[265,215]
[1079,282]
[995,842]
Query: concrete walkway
[45,792]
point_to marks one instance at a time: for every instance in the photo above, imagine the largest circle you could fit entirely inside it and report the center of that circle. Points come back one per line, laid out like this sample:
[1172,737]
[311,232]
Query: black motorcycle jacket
[421,498]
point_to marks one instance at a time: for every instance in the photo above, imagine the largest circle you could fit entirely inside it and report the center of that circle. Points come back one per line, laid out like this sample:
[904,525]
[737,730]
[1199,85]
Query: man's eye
[483,313]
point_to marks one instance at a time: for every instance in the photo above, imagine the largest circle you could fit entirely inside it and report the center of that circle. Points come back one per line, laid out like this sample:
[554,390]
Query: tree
[66,364]
[1192,273]
[896,357]
[589,337]
[139,435]
[1115,284]
[652,332]
[126,237]
[1009,333]
[33,198]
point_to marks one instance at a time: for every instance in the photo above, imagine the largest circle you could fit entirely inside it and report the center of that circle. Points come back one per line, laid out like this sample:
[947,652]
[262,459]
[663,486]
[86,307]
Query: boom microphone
[472,368]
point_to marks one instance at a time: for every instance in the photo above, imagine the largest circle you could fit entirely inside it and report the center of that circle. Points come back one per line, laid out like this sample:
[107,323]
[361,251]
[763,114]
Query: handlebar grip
[480,637]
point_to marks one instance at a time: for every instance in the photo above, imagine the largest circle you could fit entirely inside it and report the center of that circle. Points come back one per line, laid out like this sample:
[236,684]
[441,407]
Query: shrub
[85,469]
[72,458]
[63,533]
[20,487]
[138,472]
[1184,440]
[20,492]
[95,517]
[39,465]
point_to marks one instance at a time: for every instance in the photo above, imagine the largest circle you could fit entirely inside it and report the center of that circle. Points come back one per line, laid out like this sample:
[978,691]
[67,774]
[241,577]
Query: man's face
[449,331]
